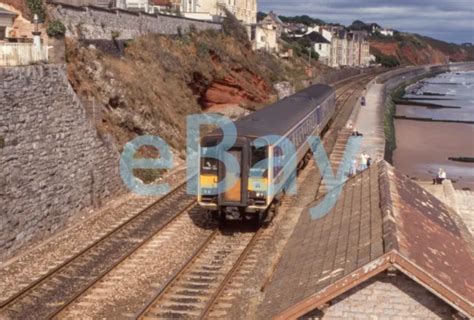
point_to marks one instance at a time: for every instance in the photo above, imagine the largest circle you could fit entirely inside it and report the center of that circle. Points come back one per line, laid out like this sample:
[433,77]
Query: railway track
[58,288]
[218,305]
[192,291]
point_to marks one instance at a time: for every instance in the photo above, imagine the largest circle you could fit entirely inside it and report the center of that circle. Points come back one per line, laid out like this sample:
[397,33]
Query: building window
[2,32]
[320,46]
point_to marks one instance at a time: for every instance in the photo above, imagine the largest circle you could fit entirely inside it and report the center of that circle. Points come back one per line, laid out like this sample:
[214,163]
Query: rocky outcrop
[239,88]
[284,89]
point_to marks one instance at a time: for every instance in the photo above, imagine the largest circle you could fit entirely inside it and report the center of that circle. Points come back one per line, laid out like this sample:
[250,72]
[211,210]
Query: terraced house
[337,47]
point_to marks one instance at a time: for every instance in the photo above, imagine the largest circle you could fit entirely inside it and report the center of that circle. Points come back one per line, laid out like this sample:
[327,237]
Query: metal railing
[20,54]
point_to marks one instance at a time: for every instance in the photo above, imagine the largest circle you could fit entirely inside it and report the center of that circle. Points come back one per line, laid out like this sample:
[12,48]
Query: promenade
[369,120]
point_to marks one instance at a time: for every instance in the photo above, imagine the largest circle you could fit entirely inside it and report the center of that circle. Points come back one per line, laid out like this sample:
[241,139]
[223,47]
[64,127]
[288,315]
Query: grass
[390,112]
[159,80]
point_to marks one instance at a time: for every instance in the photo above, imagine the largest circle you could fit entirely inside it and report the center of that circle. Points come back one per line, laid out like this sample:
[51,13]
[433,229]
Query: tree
[261,15]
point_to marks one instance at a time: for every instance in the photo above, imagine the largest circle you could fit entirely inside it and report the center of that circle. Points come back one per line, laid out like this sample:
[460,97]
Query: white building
[244,10]
[387,32]
[321,45]
[263,37]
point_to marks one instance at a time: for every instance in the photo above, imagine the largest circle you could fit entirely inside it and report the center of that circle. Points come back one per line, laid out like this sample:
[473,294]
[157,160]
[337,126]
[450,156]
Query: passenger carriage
[256,191]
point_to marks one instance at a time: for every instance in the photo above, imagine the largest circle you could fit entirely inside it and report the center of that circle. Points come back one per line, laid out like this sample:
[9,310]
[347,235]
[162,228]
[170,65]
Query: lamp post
[36,32]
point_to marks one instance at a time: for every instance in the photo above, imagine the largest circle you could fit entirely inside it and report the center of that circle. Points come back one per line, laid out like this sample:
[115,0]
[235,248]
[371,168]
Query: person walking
[353,170]
[363,161]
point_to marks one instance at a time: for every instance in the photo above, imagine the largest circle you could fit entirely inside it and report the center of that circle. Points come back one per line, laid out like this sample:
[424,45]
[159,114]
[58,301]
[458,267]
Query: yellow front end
[207,194]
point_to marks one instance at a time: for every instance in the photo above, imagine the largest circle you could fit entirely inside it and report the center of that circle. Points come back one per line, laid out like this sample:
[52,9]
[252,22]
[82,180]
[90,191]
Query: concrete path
[369,121]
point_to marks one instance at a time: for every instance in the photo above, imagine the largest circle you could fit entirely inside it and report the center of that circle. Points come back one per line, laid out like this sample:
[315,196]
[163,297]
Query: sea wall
[54,163]
[391,82]
[95,23]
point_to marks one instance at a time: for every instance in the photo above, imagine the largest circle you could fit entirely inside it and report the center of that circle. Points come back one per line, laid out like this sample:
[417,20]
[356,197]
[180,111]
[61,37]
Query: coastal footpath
[370,121]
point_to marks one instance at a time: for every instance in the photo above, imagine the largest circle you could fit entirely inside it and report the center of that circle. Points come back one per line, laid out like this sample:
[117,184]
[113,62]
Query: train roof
[280,117]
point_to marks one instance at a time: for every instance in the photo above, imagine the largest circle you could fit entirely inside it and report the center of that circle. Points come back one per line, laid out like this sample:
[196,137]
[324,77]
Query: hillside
[409,48]
[155,81]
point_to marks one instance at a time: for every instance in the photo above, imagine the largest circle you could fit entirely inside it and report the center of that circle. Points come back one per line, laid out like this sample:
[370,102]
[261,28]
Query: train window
[209,165]
[278,160]
[258,155]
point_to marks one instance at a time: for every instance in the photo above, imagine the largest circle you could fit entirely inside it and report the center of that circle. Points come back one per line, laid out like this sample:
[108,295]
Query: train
[252,194]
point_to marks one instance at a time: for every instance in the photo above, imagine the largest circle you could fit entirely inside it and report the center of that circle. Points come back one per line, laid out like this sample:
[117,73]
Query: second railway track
[191,292]
[56,289]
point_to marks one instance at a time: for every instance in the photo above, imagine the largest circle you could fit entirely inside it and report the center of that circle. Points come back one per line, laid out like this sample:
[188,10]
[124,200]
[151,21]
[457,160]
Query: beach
[424,146]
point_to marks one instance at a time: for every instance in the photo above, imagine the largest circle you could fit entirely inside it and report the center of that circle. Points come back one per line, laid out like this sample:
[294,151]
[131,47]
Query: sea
[427,136]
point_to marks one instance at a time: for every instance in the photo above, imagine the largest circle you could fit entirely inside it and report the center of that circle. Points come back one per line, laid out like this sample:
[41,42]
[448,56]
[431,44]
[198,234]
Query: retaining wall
[95,23]
[338,75]
[54,164]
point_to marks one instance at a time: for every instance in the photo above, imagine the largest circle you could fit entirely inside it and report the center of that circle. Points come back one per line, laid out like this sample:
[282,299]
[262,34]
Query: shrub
[115,35]
[232,27]
[192,28]
[387,61]
[36,7]
[56,29]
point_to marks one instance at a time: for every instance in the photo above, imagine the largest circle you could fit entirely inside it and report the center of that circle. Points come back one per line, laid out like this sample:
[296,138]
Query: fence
[20,54]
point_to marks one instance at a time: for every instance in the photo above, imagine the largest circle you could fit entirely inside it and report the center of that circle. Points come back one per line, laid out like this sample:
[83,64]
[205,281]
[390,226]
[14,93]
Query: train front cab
[246,193]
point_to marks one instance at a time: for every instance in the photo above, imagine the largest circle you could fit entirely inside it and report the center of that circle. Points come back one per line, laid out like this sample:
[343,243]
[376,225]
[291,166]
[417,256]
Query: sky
[448,20]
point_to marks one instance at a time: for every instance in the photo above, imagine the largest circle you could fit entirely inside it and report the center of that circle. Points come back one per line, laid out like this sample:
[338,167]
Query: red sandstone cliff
[418,50]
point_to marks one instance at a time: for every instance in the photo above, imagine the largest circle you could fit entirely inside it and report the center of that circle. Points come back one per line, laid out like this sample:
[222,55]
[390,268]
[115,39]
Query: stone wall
[388,297]
[94,23]
[53,162]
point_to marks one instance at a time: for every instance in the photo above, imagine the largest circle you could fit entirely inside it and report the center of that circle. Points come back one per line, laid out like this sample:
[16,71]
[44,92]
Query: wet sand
[424,147]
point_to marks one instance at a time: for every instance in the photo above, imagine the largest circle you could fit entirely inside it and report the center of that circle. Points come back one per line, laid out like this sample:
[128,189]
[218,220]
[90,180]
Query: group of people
[361,165]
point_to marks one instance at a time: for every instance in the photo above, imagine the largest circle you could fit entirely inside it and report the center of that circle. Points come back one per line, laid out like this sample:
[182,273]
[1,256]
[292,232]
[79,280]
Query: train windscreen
[257,156]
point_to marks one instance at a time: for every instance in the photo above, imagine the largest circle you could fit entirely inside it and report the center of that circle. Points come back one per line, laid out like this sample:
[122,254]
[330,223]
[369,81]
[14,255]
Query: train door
[235,185]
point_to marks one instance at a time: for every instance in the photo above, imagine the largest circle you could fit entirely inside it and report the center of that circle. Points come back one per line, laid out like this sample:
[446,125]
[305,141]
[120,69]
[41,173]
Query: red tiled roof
[382,219]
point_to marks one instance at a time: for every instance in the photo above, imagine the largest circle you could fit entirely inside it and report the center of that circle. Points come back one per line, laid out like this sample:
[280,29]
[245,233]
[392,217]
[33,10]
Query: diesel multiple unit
[252,191]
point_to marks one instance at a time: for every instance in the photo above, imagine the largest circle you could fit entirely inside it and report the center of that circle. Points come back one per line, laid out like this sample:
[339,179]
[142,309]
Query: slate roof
[275,18]
[382,219]
[316,37]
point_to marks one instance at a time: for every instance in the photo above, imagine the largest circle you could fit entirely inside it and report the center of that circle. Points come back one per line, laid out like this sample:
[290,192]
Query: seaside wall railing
[21,54]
